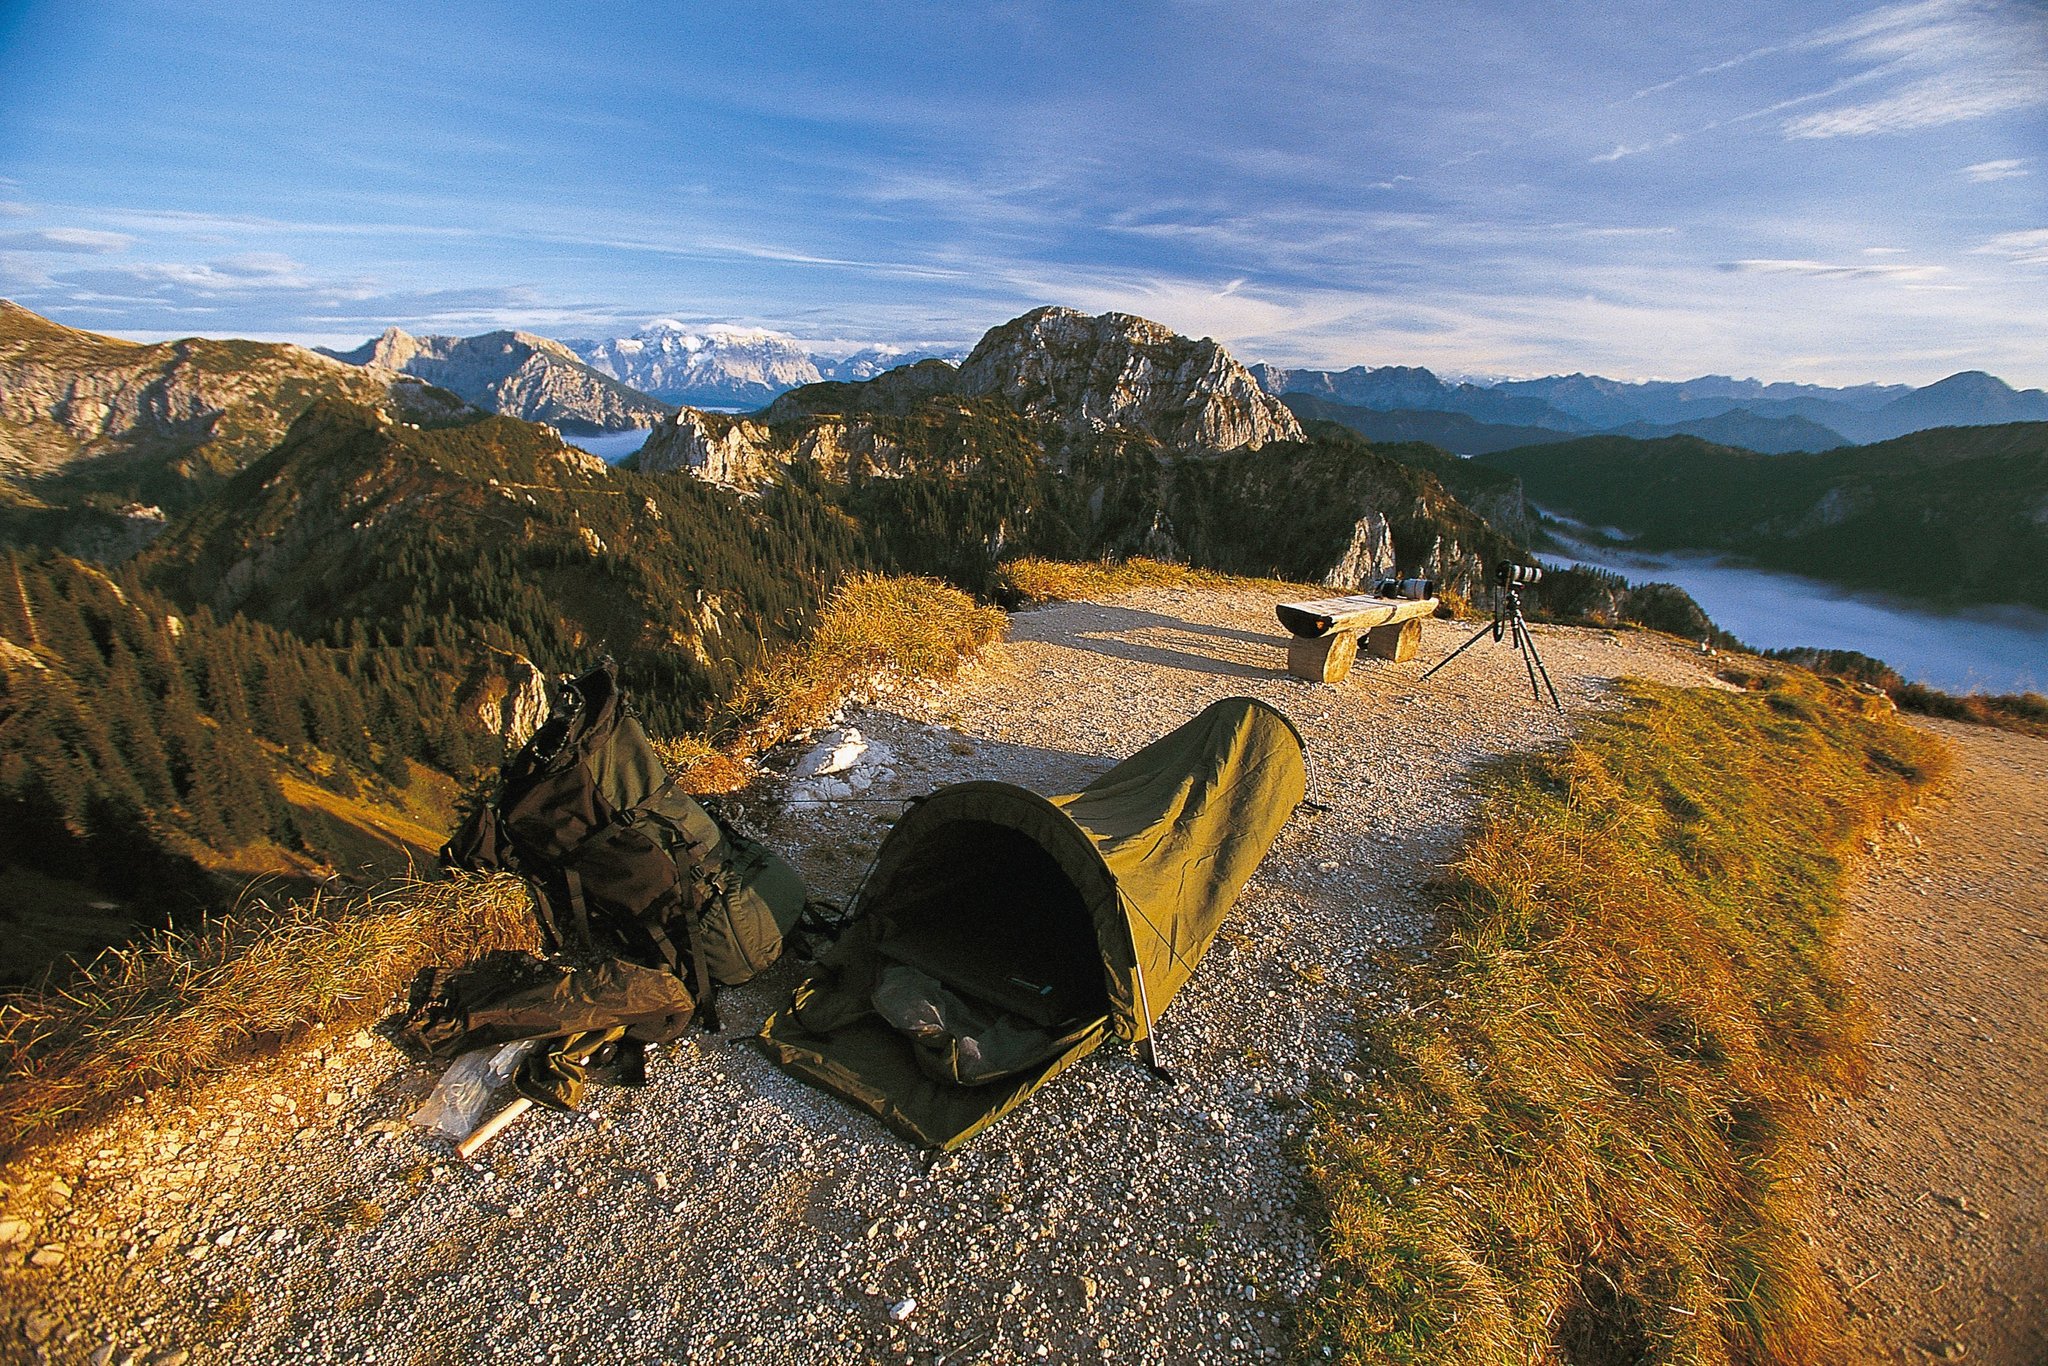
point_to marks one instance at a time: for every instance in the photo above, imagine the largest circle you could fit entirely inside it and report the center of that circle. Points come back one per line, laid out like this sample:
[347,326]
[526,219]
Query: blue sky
[1822,192]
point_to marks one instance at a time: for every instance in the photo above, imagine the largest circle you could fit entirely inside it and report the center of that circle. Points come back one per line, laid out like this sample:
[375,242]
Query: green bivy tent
[1001,935]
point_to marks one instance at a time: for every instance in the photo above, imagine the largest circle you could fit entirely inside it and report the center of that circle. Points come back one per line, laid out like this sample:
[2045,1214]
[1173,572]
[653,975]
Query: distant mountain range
[1772,418]
[517,374]
[583,386]
[731,367]
[1465,435]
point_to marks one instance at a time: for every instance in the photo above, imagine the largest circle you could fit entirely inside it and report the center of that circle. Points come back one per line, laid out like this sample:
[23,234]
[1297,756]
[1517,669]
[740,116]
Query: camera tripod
[1507,622]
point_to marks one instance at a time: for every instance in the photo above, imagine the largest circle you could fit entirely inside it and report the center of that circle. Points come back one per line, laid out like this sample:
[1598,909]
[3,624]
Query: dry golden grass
[1035,580]
[1575,1142]
[183,1005]
[701,768]
[873,627]
[2023,713]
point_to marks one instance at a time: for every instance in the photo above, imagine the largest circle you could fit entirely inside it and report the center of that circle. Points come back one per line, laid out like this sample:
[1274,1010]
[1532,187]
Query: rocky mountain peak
[1116,370]
[734,451]
[390,349]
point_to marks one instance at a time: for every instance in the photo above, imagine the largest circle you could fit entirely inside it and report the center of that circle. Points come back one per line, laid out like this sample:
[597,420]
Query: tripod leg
[1527,648]
[1537,660]
[1493,626]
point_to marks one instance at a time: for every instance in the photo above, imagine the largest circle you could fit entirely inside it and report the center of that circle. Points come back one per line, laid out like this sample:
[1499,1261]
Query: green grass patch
[1576,1140]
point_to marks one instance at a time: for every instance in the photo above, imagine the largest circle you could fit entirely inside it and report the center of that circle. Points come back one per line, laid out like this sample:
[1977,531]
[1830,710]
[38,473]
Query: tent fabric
[1048,924]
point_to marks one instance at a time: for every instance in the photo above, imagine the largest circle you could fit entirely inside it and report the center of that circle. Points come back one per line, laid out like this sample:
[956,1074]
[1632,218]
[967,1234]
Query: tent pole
[1148,1053]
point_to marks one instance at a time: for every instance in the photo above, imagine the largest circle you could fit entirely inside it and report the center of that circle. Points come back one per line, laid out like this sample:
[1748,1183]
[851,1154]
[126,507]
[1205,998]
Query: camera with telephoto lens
[1414,589]
[1510,575]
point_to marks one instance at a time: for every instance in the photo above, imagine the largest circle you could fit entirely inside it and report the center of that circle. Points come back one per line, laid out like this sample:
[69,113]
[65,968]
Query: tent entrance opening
[987,912]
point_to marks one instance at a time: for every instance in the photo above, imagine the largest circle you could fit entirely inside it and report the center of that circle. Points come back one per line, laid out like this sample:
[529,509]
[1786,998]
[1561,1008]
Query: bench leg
[1322,659]
[1397,642]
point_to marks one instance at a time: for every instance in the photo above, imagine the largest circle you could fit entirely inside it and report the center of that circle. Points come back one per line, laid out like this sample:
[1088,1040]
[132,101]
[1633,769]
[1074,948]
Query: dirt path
[1934,1184]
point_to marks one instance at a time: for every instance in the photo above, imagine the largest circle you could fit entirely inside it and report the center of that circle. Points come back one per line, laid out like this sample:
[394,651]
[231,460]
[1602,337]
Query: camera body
[1511,575]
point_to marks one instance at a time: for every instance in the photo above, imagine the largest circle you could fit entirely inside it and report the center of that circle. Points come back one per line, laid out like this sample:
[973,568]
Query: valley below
[1997,649]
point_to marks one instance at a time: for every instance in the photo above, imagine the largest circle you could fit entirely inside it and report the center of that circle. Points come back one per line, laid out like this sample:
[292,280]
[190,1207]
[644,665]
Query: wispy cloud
[1622,150]
[1985,172]
[1826,270]
[2028,248]
[68,241]
[1943,61]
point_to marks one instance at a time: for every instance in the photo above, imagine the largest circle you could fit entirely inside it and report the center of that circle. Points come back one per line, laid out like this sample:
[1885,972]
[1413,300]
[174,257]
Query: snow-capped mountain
[729,367]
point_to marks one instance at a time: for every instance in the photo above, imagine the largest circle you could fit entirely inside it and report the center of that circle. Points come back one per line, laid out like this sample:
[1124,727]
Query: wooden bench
[1323,639]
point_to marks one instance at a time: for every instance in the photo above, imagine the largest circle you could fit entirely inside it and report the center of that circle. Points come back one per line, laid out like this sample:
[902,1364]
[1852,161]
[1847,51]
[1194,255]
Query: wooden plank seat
[1323,633]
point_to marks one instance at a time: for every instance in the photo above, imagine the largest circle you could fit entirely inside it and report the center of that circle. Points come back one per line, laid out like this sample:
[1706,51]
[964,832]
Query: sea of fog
[1977,649]
[612,447]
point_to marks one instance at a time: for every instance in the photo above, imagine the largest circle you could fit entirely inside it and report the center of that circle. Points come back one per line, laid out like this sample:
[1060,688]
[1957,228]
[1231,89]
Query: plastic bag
[458,1101]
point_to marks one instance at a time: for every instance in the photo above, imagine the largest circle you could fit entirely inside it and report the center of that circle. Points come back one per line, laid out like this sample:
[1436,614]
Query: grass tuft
[873,628]
[1036,580]
[1577,1140]
[2023,713]
[180,1006]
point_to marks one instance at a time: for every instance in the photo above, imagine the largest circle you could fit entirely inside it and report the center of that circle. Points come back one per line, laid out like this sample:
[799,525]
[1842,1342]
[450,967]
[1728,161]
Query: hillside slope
[1955,514]
[154,760]
[496,535]
[101,439]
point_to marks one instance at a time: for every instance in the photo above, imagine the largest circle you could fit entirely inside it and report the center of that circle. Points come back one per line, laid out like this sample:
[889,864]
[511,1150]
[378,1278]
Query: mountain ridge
[1948,514]
[1582,404]
[102,439]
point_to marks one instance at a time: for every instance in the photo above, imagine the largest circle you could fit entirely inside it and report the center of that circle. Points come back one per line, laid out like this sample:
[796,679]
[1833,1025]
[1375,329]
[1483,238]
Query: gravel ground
[727,1213]
[1933,1207]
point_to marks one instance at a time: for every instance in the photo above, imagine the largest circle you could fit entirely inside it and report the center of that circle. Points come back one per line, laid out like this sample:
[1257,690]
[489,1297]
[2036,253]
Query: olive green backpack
[620,860]
[751,898]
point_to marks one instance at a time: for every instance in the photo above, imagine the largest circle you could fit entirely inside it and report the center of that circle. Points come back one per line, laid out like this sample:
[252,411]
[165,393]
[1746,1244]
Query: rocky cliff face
[506,695]
[742,453]
[1117,371]
[1368,559]
[736,452]
[517,374]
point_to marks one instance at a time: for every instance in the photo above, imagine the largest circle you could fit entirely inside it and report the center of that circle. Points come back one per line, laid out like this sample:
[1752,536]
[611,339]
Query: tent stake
[491,1128]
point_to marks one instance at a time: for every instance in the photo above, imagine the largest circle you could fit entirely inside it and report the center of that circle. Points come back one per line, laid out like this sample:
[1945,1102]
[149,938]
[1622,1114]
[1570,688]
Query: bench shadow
[1118,648]
[1116,618]
[1107,630]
